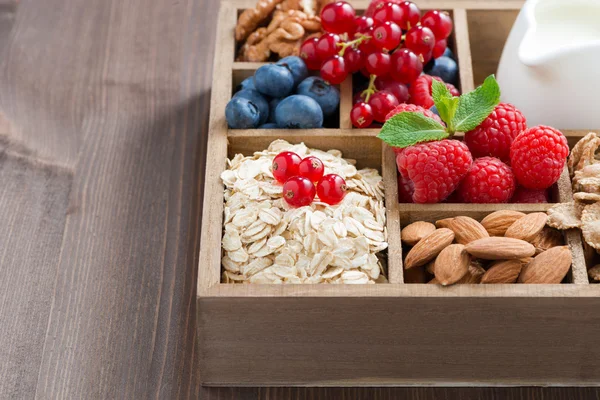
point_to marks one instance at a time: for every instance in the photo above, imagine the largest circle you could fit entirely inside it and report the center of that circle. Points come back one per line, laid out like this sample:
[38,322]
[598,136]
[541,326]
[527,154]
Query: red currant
[361,115]
[285,165]
[312,168]
[439,48]
[406,66]
[378,64]
[358,97]
[308,52]
[419,39]
[338,17]
[382,103]
[367,46]
[298,191]
[387,36]
[334,70]
[363,24]
[399,90]
[327,45]
[331,189]
[439,22]
[411,15]
[427,57]
[355,59]
[388,12]
[364,72]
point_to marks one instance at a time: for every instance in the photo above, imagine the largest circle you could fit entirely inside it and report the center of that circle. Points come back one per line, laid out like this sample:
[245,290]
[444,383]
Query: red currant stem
[370,89]
[354,43]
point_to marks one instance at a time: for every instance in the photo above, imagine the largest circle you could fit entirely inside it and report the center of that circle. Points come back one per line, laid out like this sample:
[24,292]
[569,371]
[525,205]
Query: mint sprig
[461,114]
[476,106]
[445,103]
[408,128]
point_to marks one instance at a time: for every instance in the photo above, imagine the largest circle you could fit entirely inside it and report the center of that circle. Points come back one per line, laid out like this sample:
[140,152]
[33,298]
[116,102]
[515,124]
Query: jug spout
[557,28]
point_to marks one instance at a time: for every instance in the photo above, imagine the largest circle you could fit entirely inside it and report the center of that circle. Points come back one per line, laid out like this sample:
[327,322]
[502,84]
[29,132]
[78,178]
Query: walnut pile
[277,27]
[584,211]
[267,241]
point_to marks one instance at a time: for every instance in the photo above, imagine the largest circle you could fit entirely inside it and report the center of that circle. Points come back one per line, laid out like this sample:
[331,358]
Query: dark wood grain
[98,273]
[104,115]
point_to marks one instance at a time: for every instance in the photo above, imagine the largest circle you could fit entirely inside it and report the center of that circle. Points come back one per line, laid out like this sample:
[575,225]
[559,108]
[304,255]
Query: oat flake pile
[266,241]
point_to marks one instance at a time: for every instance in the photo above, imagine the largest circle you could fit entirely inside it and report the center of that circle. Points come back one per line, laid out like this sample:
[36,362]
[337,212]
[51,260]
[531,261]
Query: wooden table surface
[104,107]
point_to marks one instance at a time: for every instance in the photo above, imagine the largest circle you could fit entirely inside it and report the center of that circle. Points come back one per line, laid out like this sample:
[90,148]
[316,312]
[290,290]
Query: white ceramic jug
[550,66]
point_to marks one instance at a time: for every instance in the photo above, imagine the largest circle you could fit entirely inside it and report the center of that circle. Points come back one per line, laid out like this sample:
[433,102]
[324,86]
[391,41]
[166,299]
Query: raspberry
[454,198]
[496,133]
[538,156]
[524,195]
[420,91]
[414,108]
[489,181]
[435,168]
[405,189]
[453,90]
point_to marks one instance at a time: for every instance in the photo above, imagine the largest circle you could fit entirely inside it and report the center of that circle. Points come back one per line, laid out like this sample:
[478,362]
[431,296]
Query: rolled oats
[267,241]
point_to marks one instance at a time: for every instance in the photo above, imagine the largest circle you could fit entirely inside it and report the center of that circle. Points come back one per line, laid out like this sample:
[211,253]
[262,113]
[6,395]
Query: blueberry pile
[444,67]
[282,95]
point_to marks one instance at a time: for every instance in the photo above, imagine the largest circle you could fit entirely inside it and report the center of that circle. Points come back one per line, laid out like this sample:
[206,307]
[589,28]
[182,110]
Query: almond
[428,248]
[506,271]
[433,281]
[527,227]
[430,267]
[498,222]
[500,248]
[444,223]
[415,275]
[466,230]
[547,238]
[550,266]
[452,264]
[473,275]
[411,234]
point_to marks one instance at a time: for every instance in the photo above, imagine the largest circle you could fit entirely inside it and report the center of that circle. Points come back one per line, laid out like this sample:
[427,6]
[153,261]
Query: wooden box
[396,333]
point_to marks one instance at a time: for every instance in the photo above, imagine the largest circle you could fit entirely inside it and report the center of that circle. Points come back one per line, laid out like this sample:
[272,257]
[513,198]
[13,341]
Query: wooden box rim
[209,286]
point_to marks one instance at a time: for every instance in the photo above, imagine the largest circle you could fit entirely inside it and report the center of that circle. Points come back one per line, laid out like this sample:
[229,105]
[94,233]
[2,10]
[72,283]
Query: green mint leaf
[476,106]
[445,103]
[409,128]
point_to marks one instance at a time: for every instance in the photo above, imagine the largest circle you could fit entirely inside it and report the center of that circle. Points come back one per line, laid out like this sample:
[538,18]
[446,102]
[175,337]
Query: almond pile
[505,247]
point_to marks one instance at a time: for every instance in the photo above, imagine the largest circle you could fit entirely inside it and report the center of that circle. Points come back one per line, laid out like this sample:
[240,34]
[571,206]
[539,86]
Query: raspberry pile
[500,160]
[390,45]
[299,177]
[511,163]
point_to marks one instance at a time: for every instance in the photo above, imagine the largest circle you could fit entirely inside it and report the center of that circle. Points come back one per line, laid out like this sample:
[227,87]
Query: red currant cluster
[299,177]
[391,43]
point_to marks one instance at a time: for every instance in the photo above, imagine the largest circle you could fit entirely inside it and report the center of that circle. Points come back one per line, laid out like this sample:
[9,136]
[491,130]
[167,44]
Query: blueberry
[274,80]
[446,68]
[296,66]
[322,92]
[435,110]
[449,53]
[258,100]
[247,83]
[428,66]
[270,125]
[299,111]
[272,106]
[241,113]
